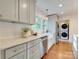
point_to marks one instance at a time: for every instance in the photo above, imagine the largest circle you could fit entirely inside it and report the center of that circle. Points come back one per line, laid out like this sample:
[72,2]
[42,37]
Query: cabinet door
[34,52]
[41,49]
[23,11]
[43,46]
[32,11]
[22,55]
[36,56]
[9,10]
[15,57]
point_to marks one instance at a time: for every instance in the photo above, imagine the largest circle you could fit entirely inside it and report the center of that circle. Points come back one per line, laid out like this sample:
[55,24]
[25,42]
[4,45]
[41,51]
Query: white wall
[39,11]
[10,30]
[52,23]
[73,28]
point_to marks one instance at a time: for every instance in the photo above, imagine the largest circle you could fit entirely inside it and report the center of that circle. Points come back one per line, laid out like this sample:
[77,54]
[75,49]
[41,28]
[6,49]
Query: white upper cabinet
[18,10]
[32,11]
[23,11]
[9,10]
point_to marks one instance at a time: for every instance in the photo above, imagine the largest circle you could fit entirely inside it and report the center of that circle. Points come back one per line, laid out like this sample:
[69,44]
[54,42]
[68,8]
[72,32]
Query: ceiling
[69,7]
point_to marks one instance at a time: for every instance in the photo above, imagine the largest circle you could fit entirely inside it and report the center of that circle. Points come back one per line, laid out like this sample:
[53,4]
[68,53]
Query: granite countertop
[7,43]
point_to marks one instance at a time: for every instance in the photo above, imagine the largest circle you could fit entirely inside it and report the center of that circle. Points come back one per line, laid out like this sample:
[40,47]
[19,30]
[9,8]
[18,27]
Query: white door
[9,10]
[23,11]
[32,11]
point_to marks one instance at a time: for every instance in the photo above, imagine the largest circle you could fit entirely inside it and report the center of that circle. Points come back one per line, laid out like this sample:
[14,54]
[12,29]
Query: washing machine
[64,27]
[64,31]
[64,35]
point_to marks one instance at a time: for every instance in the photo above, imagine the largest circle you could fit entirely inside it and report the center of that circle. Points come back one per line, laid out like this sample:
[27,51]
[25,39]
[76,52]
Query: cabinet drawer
[32,43]
[33,50]
[36,56]
[14,50]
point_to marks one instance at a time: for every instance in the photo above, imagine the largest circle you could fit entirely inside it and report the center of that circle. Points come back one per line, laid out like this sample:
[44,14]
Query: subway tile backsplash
[10,30]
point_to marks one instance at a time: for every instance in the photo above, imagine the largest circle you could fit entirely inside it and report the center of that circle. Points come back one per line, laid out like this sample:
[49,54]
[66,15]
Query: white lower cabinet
[21,55]
[34,51]
[17,52]
[15,57]
[43,46]
[29,50]
[41,49]
[51,41]
[36,56]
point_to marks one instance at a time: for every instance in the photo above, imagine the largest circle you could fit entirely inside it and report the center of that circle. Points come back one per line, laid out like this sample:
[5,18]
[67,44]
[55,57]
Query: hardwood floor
[61,50]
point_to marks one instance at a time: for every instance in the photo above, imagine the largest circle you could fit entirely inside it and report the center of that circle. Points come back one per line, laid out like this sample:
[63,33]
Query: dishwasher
[43,46]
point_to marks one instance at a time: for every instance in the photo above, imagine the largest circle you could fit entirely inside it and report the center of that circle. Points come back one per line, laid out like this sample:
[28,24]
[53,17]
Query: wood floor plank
[61,50]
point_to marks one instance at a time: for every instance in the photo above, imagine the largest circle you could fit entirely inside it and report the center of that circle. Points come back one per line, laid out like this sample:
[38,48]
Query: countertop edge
[25,40]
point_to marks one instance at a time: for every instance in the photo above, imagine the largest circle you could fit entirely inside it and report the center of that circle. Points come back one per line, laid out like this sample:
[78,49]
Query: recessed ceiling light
[62,12]
[60,5]
[24,5]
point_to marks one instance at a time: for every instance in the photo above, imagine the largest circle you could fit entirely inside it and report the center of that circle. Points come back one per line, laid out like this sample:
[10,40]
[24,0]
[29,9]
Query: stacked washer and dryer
[64,30]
